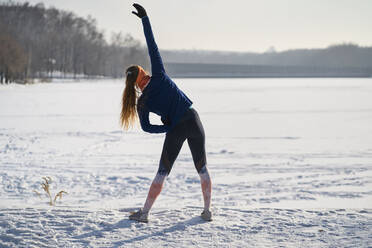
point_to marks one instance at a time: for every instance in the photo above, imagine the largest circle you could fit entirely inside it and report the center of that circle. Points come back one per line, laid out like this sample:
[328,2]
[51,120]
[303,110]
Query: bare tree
[12,59]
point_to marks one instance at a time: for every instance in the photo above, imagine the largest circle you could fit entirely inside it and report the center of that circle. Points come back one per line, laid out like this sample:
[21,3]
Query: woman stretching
[161,96]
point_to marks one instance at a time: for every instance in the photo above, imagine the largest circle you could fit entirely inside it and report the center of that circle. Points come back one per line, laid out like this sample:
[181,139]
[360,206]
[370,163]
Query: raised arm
[157,66]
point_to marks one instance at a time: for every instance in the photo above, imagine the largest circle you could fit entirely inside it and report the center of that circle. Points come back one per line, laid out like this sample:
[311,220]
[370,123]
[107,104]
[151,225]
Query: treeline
[46,42]
[334,56]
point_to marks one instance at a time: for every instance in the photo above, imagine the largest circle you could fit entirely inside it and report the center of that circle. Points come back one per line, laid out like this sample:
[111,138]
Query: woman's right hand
[141,12]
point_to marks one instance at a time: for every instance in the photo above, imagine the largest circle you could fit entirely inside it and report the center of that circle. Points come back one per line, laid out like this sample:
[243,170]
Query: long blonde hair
[128,115]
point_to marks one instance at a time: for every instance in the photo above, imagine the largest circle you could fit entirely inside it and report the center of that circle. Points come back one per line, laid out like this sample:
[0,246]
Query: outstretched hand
[141,12]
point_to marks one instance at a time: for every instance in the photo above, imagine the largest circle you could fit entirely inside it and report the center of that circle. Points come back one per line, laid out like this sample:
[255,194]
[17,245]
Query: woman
[161,96]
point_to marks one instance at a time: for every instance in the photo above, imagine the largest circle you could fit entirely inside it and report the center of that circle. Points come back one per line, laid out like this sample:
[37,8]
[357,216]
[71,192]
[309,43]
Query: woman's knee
[203,173]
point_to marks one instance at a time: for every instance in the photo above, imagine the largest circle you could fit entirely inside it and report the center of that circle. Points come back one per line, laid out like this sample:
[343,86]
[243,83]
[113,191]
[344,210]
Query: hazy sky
[234,25]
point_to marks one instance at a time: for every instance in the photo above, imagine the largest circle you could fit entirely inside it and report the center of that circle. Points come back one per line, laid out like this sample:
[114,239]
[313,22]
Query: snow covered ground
[290,159]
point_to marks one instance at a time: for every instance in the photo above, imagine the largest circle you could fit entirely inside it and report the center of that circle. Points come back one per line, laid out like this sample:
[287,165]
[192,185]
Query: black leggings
[190,128]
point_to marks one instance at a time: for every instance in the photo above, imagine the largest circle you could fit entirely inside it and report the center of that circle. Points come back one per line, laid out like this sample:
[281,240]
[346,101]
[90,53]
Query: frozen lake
[279,151]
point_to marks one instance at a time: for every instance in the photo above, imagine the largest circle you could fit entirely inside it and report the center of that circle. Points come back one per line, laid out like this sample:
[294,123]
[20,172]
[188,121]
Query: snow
[290,160]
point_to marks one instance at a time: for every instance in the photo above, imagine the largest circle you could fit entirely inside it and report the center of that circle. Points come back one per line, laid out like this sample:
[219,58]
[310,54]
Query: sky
[234,25]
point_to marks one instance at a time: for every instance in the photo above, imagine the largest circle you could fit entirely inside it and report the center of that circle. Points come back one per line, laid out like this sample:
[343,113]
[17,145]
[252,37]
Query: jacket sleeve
[157,66]
[143,114]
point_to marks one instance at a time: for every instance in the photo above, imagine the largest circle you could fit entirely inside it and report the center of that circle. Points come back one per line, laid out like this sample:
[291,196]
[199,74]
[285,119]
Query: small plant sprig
[59,194]
[46,187]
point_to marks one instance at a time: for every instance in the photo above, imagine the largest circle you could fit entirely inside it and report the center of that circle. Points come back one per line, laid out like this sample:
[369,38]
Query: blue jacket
[161,96]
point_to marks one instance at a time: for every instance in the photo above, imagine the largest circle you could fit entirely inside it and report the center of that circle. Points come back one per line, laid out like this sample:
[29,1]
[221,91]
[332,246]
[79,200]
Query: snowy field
[290,160]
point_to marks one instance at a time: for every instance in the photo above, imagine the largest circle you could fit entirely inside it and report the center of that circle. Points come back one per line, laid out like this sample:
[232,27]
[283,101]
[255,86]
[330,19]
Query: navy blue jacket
[161,96]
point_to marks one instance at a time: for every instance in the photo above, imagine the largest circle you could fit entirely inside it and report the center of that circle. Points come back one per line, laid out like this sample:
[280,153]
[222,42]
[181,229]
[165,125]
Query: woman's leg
[155,189]
[172,145]
[206,185]
[196,141]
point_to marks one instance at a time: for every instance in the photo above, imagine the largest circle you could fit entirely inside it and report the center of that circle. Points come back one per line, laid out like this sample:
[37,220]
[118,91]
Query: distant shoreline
[272,76]
[92,79]
[192,75]
[202,70]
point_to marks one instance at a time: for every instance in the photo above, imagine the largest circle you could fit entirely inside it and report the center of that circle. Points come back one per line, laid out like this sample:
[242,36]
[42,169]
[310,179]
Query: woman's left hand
[141,12]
